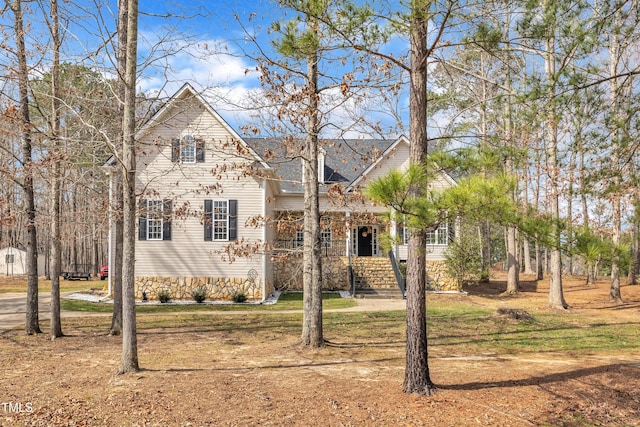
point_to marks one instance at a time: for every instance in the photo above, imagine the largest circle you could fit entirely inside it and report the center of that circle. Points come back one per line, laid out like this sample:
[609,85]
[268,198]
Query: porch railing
[327,248]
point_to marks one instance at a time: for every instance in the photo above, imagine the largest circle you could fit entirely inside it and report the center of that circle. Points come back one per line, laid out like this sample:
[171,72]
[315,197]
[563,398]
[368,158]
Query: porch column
[348,231]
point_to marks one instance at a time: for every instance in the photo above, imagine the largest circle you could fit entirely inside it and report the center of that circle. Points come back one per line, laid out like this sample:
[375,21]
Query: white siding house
[209,203]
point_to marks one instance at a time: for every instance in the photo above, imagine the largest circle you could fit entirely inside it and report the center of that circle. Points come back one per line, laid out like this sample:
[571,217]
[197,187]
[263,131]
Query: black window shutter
[199,150]
[233,219]
[208,220]
[166,220]
[452,231]
[175,150]
[142,220]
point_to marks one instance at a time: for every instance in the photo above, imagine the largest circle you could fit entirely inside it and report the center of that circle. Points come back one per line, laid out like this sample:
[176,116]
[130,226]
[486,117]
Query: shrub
[199,294]
[462,258]
[164,295]
[239,297]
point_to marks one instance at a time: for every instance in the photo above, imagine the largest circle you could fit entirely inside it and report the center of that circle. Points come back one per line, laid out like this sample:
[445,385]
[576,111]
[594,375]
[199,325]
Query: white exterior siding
[396,158]
[220,177]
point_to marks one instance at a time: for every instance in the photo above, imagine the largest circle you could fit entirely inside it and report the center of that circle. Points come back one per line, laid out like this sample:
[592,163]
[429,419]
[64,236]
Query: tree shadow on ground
[544,379]
[496,288]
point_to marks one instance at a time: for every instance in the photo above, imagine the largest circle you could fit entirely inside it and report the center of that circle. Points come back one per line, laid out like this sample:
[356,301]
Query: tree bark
[513,266]
[615,94]
[312,261]
[417,378]
[556,296]
[117,204]
[129,360]
[32,325]
[633,264]
[56,241]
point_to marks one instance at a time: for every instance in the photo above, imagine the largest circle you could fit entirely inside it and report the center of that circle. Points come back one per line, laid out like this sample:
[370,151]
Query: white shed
[13,262]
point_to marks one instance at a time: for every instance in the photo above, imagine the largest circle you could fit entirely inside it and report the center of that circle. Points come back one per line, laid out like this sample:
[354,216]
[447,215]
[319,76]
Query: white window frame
[401,227]
[440,236]
[220,220]
[299,242]
[155,218]
[188,151]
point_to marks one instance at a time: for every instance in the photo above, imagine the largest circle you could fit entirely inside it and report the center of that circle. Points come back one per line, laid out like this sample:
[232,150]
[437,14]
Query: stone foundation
[437,277]
[288,274]
[217,288]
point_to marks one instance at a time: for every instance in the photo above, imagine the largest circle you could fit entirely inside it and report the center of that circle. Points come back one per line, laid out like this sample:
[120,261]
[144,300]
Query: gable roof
[345,159]
[185,92]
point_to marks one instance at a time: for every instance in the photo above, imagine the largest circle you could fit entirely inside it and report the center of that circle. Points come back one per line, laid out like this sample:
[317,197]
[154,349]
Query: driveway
[13,309]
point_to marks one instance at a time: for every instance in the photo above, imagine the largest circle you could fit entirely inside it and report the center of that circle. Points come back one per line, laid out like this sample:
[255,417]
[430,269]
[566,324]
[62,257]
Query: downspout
[350,265]
[264,239]
[110,236]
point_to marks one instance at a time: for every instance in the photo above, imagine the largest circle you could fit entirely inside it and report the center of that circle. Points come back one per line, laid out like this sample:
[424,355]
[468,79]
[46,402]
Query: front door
[365,240]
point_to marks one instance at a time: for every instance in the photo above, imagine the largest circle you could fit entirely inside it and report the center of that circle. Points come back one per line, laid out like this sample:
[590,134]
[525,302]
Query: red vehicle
[104,272]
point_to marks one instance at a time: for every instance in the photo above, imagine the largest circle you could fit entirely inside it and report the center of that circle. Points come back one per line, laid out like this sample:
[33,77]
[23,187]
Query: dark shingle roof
[345,159]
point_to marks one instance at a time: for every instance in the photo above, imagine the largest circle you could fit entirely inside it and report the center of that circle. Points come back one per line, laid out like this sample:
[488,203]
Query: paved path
[13,309]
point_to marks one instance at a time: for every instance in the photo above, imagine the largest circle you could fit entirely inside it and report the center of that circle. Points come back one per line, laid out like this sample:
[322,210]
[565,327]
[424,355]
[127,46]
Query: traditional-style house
[223,213]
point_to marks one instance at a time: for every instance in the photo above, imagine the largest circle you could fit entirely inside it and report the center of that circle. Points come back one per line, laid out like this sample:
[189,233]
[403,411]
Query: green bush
[199,294]
[462,258]
[164,295]
[239,297]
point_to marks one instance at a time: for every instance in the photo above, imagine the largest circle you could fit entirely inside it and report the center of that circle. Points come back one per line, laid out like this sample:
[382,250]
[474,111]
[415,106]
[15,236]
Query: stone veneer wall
[288,274]
[438,278]
[218,288]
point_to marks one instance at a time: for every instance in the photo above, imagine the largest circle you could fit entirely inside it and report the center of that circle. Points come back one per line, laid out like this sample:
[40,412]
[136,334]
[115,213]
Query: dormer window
[187,149]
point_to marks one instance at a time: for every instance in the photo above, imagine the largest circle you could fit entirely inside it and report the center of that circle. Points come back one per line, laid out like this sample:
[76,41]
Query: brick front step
[374,272]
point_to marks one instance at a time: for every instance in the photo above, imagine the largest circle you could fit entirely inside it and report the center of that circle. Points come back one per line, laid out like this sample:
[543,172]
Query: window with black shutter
[154,220]
[220,220]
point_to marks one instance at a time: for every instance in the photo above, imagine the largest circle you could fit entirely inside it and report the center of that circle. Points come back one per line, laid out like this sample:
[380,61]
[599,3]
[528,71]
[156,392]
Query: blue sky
[203,44]
[213,51]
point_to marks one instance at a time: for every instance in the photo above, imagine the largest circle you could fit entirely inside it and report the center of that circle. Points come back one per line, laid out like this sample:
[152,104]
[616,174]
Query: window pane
[443,234]
[220,220]
[154,219]
[188,149]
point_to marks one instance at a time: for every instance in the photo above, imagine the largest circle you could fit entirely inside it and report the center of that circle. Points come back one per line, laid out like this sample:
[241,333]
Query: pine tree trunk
[417,378]
[556,296]
[633,264]
[312,260]
[512,261]
[486,248]
[617,114]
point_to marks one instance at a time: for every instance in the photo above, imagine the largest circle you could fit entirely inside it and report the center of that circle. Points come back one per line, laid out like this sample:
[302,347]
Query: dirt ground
[207,376]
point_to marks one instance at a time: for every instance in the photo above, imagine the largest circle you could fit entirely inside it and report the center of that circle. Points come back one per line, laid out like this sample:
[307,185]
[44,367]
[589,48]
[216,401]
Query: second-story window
[188,149]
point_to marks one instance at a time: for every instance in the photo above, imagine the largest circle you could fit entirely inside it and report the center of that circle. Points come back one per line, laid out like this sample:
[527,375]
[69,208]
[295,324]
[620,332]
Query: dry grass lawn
[579,368]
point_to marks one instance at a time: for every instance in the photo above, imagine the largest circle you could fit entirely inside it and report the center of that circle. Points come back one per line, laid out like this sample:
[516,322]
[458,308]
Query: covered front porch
[344,239]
